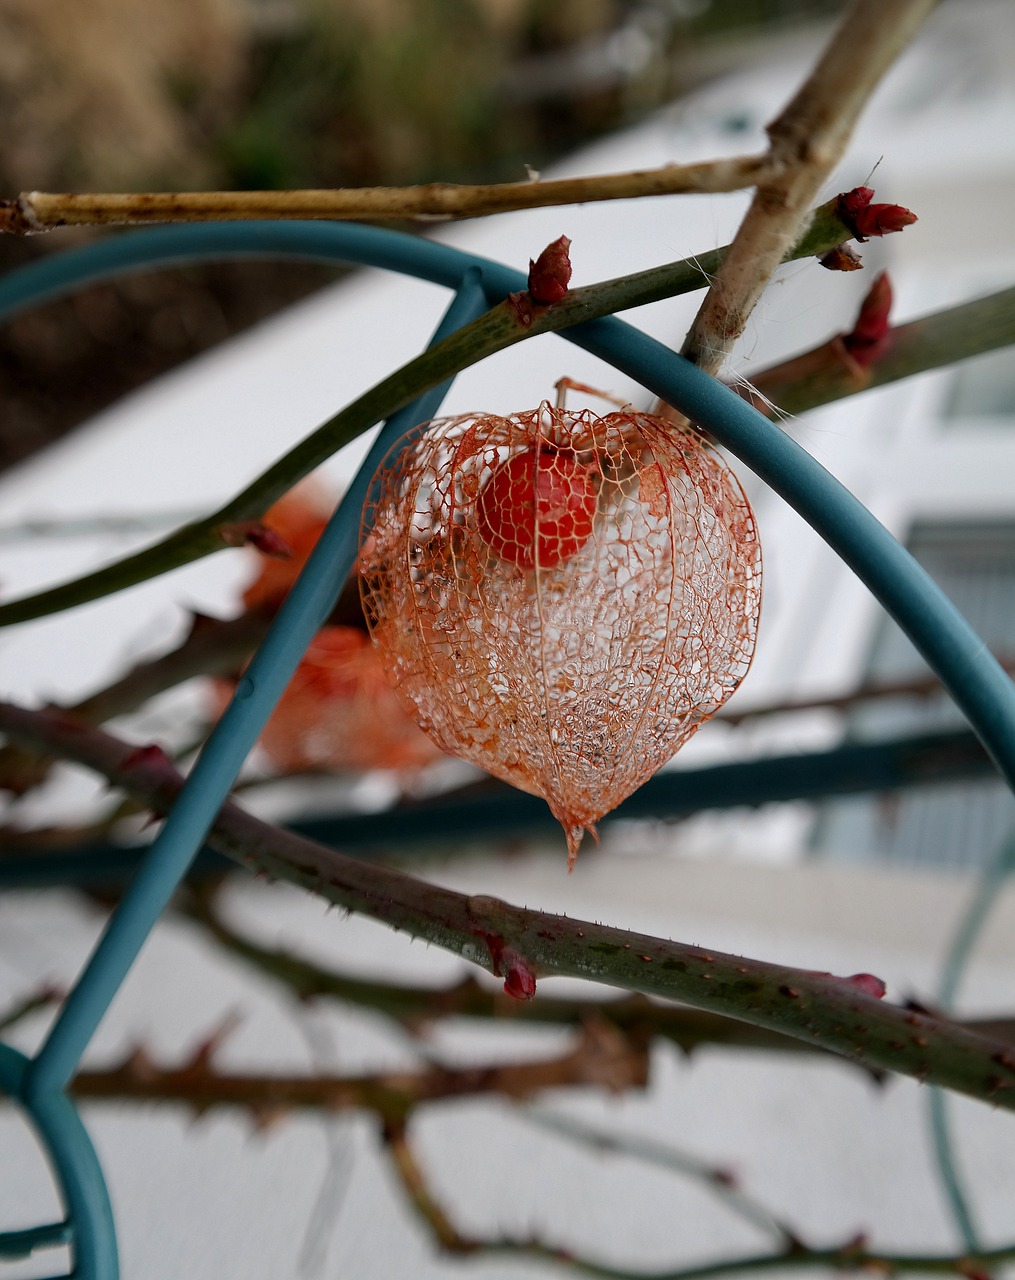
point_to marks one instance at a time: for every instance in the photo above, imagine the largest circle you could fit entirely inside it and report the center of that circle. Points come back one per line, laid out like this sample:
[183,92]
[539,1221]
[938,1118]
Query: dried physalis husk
[561,598]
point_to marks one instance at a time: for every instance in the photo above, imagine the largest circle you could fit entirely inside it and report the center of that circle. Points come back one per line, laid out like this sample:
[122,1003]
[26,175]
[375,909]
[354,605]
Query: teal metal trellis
[977,683]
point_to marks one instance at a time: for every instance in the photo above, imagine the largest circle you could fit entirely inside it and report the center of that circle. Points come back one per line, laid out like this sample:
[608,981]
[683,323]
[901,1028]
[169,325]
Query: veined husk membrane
[568,634]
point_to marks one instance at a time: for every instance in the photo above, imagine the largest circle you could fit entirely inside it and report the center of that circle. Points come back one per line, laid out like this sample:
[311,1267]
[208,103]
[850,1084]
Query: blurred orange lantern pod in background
[561,598]
[339,711]
[298,518]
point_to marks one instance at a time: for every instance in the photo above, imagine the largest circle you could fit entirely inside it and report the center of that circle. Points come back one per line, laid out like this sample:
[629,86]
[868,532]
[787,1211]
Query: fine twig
[927,686]
[807,140]
[719,1180]
[854,1254]
[211,647]
[37,211]
[494,331]
[520,945]
[24,1008]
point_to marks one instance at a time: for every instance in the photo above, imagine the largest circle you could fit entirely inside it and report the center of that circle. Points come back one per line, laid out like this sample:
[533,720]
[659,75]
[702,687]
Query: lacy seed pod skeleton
[561,598]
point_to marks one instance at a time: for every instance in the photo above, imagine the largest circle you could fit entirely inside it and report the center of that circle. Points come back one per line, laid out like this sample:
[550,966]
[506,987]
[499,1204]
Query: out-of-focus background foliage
[245,94]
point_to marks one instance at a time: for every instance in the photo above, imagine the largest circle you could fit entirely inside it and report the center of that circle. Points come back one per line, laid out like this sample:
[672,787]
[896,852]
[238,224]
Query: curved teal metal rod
[959,954]
[336,244]
[304,612]
[950,646]
[952,649]
[88,1226]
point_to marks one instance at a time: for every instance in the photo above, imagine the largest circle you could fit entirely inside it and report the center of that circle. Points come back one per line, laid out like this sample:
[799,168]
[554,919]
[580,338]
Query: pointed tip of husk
[573,834]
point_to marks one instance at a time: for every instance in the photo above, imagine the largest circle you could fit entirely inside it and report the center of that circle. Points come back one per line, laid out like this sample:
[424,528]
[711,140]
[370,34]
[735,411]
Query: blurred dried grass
[240,94]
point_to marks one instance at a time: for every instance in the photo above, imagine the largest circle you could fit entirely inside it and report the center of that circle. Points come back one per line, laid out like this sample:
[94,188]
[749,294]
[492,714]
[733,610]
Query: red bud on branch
[519,980]
[550,274]
[867,982]
[252,533]
[865,219]
[868,340]
[148,756]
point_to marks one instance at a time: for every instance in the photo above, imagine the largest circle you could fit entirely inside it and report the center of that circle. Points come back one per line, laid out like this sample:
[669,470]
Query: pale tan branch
[807,140]
[37,211]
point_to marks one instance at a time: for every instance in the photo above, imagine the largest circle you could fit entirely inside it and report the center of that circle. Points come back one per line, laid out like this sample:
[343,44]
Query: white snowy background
[820,1144]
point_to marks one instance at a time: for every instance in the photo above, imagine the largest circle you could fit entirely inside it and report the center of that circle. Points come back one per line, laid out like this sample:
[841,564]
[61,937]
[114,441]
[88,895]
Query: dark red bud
[146,756]
[550,274]
[869,336]
[520,982]
[868,983]
[882,219]
[252,533]
[851,202]
[865,219]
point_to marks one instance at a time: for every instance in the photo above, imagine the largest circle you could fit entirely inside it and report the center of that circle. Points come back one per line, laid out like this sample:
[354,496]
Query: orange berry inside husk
[537,508]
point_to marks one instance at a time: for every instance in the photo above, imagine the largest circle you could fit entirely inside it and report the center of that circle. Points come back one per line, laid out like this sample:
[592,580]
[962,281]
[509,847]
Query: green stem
[499,328]
[946,336]
[827,373]
[417,1006]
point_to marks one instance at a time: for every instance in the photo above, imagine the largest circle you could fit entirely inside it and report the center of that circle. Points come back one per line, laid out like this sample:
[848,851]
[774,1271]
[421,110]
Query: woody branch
[807,140]
[871,36]
[844,1015]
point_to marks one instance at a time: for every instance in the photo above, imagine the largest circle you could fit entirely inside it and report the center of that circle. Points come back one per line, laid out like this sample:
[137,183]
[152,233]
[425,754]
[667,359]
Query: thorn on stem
[148,756]
[868,983]
[520,982]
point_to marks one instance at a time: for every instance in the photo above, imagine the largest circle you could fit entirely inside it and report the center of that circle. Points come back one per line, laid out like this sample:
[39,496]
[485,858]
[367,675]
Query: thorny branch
[601,1057]
[855,1254]
[212,647]
[417,1007]
[844,1015]
[807,140]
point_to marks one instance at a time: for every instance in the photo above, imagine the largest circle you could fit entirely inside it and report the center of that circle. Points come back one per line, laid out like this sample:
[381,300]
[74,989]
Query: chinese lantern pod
[339,712]
[561,598]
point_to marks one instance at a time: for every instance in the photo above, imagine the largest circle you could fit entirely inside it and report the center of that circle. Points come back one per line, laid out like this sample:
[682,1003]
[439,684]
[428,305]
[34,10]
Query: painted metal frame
[952,649]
